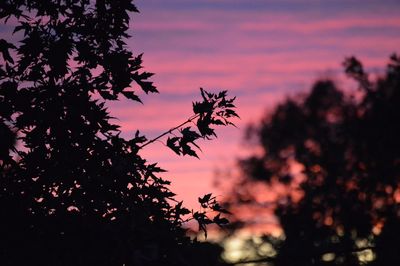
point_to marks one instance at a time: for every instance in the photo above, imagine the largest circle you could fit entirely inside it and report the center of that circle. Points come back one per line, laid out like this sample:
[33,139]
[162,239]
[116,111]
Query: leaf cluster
[213,110]
[202,218]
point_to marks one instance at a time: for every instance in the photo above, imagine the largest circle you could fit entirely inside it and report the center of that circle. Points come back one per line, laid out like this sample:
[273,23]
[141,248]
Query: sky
[259,50]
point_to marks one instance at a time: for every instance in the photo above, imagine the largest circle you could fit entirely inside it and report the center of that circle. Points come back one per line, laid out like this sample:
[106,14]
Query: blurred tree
[72,190]
[338,157]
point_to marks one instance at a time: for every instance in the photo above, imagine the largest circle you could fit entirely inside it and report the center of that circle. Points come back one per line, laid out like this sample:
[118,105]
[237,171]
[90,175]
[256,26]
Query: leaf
[154,168]
[205,198]
[202,91]
[180,210]
[186,150]
[189,135]
[107,95]
[147,86]
[20,27]
[216,207]
[4,46]
[203,126]
[220,221]
[217,122]
[131,95]
[171,144]
[231,112]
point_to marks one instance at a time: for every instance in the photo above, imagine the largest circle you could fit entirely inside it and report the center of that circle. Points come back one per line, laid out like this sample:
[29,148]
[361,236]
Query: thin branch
[170,131]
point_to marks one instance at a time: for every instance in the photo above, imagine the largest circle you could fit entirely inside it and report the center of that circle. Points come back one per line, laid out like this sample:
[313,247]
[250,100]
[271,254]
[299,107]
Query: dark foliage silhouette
[72,190]
[343,206]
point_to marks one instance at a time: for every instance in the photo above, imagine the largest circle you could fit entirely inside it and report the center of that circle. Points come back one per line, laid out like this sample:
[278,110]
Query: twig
[170,131]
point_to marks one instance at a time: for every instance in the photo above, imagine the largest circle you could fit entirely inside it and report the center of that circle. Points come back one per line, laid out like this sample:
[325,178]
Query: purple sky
[259,50]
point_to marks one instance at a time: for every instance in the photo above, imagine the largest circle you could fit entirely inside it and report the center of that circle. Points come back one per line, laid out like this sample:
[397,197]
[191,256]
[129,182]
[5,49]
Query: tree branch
[169,131]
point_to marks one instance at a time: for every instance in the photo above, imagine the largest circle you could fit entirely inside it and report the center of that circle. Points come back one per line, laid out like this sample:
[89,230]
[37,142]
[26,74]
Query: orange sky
[259,50]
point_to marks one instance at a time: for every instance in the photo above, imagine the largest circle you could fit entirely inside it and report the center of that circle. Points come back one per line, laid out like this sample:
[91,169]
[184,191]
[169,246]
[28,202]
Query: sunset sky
[259,50]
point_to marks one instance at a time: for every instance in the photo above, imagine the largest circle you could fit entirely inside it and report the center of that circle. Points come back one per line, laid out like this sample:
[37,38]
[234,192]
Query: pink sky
[259,50]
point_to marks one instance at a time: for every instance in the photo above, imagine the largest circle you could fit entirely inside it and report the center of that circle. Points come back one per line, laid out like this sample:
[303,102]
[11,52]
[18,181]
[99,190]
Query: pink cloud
[292,23]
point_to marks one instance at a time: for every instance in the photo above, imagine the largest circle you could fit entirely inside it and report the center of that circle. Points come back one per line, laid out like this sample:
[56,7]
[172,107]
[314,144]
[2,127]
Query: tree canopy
[72,190]
[341,205]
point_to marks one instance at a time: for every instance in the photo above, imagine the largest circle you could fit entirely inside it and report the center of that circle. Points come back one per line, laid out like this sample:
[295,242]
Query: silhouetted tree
[72,190]
[343,205]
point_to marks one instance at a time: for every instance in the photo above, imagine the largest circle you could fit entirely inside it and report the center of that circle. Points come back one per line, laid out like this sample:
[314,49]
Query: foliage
[72,190]
[342,208]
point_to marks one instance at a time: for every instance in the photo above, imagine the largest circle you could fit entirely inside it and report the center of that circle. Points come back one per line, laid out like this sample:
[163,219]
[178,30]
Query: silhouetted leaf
[132,96]
[4,47]
[171,143]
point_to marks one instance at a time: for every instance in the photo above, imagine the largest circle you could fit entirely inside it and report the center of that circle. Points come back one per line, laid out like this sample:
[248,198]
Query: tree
[342,208]
[72,190]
